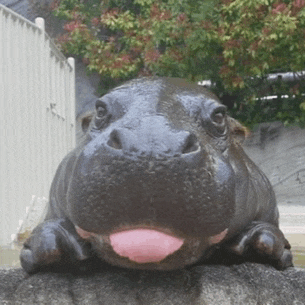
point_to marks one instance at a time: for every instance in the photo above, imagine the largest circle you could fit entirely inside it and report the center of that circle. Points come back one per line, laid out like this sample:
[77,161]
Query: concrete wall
[280,153]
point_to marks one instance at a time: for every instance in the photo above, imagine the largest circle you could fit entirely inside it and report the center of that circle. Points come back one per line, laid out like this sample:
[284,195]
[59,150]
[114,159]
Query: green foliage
[234,43]
[285,103]
[260,36]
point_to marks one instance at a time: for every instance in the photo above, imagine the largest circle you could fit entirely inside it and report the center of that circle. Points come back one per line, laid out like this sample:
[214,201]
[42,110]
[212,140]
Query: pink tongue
[144,245]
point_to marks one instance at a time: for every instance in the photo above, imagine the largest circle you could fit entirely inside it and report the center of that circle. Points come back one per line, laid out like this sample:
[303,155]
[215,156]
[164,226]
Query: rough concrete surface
[209,285]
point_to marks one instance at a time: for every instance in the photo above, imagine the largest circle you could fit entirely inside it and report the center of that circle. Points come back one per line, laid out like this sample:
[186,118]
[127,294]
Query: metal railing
[37,115]
[270,78]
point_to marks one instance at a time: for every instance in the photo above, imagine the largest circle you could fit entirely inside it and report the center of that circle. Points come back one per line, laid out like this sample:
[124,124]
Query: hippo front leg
[53,243]
[262,242]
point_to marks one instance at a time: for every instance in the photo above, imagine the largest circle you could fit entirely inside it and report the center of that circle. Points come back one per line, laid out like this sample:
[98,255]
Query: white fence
[37,115]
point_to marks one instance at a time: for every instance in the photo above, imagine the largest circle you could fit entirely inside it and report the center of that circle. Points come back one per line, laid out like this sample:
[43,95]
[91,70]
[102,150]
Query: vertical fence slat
[2,133]
[33,139]
[70,81]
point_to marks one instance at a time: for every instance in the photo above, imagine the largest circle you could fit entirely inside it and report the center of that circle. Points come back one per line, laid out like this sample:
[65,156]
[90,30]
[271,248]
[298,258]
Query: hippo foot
[53,245]
[263,242]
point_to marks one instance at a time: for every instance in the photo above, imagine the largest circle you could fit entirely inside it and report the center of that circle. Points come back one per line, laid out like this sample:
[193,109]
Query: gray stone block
[249,283]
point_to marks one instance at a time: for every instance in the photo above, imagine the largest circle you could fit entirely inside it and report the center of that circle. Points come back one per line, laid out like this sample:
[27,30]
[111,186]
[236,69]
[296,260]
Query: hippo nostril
[114,140]
[190,144]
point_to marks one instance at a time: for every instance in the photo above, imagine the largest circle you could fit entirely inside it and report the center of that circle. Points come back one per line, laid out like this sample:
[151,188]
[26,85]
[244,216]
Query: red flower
[143,39]
[135,52]
[121,61]
[207,25]
[95,21]
[107,54]
[295,89]
[65,38]
[279,8]
[254,46]
[111,39]
[232,43]
[181,17]
[54,5]
[151,56]
[86,61]
[125,58]
[111,13]
[237,81]
[176,55]
[144,72]
[165,15]
[71,26]
[297,6]
[299,3]
[156,13]
[266,31]
[224,70]
[117,65]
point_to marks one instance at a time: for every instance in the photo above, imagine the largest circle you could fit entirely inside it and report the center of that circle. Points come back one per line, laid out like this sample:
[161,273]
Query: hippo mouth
[145,245]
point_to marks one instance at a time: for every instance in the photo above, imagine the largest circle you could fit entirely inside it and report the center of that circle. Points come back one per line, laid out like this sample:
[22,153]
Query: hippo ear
[239,132]
[86,120]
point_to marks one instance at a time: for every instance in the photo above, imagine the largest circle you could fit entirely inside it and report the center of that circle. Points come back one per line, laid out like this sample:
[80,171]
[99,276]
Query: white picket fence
[37,115]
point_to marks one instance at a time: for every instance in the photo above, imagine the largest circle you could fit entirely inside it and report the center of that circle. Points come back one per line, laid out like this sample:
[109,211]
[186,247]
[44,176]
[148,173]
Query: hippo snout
[153,137]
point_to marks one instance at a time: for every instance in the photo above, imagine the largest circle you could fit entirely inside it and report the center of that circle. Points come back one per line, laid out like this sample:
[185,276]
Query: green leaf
[231,62]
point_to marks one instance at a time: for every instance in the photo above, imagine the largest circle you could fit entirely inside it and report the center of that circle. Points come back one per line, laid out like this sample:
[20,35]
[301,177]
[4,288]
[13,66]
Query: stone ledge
[248,283]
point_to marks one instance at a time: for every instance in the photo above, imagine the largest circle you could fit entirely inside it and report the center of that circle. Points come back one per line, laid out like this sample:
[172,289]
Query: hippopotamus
[160,182]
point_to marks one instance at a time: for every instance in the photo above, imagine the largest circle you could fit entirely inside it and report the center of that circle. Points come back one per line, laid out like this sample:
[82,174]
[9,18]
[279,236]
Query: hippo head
[152,186]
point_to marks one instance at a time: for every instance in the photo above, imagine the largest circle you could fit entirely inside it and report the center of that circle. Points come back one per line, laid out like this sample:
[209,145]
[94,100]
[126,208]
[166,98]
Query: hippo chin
[160,182]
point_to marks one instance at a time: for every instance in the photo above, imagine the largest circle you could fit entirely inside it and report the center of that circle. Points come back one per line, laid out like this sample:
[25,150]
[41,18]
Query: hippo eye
[219,119]
[101,109]
[102,117]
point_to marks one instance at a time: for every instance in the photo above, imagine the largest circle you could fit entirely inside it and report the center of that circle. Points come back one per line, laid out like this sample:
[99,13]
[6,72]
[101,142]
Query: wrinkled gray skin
[160,154]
